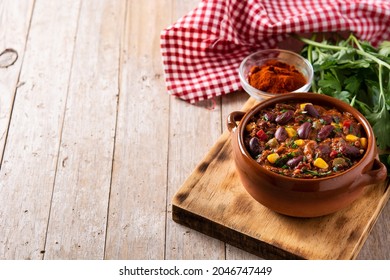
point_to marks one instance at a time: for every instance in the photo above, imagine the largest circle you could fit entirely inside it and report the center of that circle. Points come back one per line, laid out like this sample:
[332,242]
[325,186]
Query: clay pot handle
[233,118]
[377,174]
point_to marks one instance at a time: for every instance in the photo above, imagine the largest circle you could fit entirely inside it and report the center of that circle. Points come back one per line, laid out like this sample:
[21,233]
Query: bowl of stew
[304,154]
[266,73]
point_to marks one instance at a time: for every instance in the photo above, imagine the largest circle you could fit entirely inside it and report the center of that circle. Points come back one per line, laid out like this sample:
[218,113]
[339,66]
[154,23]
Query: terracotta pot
[304,197]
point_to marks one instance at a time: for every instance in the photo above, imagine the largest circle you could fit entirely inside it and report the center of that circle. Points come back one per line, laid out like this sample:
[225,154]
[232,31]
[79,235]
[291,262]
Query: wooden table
[92,147]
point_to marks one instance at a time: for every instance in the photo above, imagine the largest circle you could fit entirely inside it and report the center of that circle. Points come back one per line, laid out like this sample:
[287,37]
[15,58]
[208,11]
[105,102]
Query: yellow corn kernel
[303,105]
[272,157]
[337,125]
[320,163]
[250,126]
[351,138]
[291,132]
[299,142]
[363,142]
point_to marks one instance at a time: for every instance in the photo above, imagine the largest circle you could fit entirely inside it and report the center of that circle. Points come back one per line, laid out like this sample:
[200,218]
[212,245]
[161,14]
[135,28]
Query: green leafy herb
[294,146]
[358,73]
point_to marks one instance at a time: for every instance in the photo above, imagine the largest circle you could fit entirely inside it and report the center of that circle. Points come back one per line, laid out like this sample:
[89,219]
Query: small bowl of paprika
[271,72]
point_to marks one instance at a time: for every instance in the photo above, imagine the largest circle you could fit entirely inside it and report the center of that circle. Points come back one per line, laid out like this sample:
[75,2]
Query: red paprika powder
[276,77]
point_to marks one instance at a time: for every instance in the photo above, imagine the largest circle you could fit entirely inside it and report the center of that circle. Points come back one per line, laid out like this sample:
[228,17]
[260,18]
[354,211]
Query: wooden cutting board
[213,201]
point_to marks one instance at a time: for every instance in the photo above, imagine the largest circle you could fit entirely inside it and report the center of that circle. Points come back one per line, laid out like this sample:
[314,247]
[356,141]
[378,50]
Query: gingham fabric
[202,51]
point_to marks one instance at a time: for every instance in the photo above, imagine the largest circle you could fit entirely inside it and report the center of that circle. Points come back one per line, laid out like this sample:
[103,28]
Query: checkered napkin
[202,51]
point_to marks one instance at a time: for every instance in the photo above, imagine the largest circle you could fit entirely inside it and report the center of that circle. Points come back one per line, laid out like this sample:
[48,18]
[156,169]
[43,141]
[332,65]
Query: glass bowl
[261,57]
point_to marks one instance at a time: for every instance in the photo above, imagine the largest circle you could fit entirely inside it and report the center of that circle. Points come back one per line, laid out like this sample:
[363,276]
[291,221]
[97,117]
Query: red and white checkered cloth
[202,51]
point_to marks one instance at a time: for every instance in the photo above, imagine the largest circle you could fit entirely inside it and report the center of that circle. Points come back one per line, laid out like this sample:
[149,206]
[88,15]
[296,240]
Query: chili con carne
[305,140]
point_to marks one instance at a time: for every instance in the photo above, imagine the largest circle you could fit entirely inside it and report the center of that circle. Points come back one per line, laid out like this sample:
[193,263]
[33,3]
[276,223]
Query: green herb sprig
[358,73]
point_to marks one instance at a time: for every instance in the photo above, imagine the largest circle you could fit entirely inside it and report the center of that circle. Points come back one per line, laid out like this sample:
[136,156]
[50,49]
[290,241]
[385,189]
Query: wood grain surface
[92,147]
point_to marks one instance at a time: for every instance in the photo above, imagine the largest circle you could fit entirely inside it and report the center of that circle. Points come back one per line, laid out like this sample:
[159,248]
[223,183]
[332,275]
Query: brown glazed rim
[314,98]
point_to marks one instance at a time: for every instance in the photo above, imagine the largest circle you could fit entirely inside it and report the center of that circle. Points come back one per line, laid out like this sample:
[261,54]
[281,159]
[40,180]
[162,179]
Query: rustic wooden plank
[188,126]
[136,223]
[193,130]
[78,216]
[30,159]
[212,200]
[15,19]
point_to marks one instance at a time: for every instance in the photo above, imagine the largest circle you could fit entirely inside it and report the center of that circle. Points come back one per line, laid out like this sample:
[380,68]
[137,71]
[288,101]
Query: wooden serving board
[213,201]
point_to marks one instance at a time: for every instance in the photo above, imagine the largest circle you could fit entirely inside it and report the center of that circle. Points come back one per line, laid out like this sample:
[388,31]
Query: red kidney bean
[309,108]
[281,134]
[284,117]
[294,161]
[350,151]
[254,146]
[304,130]
[269,116]
[323,150]
[325,131]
